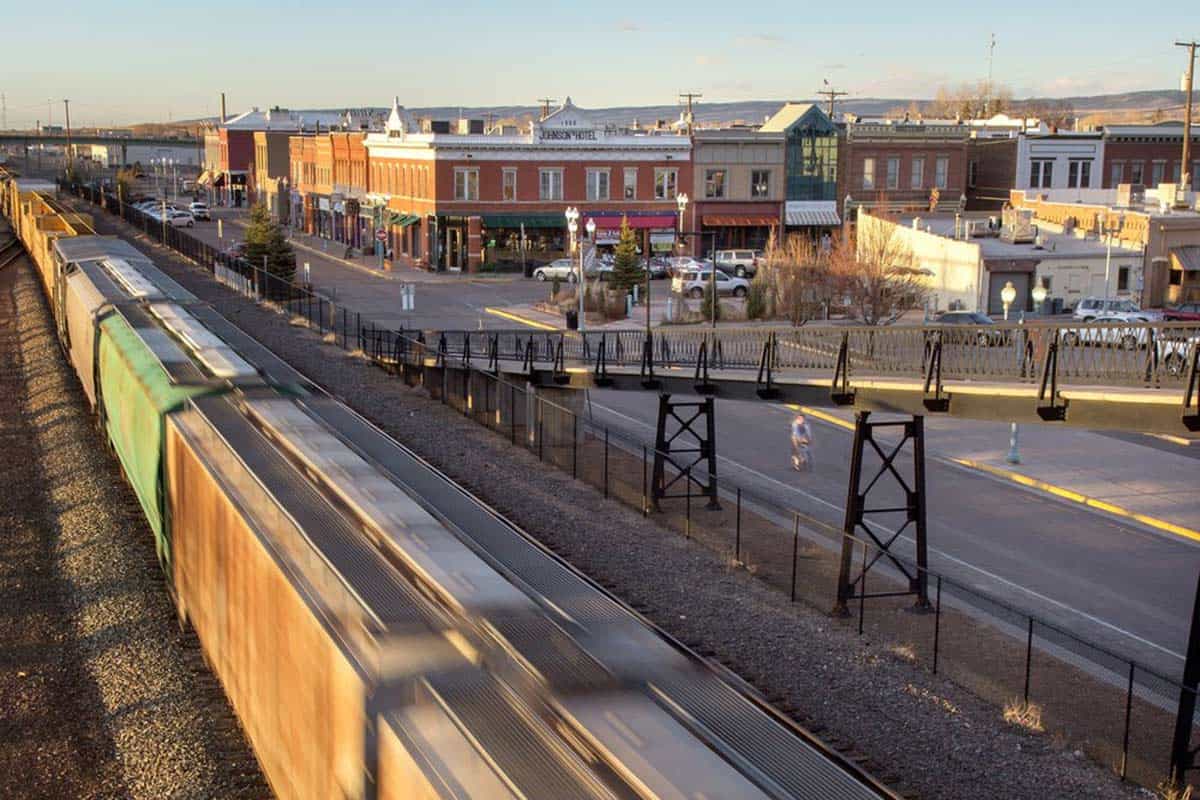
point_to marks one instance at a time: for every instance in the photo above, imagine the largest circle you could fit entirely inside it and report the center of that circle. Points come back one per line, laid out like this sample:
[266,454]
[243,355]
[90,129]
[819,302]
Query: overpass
[30,138]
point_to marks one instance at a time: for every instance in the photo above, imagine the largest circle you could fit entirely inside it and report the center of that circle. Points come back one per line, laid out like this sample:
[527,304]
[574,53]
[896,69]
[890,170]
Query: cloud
[834,66]
[625,26]
[704,60]
[759,40]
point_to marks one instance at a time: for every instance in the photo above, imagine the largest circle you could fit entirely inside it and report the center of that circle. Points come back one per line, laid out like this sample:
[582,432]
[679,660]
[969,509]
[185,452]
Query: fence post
[687,481]
[862,591]
[1028,657]
[645,508]
[795,550]
[574,445]
[1128,713]
[541,415]
[937,623]
[512,412]
[606,463]
[737,536]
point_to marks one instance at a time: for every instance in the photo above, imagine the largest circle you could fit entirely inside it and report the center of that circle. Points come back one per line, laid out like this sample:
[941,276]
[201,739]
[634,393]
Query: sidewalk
[1131,481]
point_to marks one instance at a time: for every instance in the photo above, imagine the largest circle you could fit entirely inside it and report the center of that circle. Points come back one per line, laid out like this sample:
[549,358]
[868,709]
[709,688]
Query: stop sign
[381,235]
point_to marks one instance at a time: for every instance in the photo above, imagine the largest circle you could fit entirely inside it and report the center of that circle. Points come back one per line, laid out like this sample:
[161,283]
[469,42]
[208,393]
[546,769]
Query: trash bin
[1056,305]
[572,320]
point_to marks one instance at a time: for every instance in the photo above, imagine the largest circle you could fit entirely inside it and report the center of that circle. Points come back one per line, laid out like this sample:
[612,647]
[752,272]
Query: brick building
[1148,154]
[453,197]
[269,179]
[905,162]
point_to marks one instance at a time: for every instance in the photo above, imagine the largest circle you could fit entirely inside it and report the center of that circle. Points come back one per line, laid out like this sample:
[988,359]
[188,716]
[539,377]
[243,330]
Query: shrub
[757,300]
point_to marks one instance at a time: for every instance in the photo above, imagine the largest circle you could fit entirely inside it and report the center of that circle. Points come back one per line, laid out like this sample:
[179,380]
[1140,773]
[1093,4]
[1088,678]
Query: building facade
[456,200]
[921,163]
[737,186]
[812,166]
[1148,155]
[1067,160]
[271,175]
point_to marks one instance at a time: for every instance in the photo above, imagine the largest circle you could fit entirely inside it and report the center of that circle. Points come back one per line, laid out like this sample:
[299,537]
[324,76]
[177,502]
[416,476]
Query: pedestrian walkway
[1146,484]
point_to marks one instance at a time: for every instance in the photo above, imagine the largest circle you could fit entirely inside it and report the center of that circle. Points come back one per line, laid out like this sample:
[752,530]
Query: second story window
[551,184]
[760,183]
[941,175]
[917,179]
[666,184]
[1136,170]
[631,183]
[893,173]
[597,184]
[466,184]
[509,184]
[868,173]
[714,183]
[1118,172]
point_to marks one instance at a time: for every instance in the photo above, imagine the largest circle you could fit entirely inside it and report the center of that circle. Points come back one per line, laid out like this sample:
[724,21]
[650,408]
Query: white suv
[742,263]
[1089,308]
[693,283]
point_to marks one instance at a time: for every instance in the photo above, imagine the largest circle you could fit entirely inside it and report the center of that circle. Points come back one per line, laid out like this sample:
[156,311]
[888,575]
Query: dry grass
[903,652]
[1024,715]
[1170,791]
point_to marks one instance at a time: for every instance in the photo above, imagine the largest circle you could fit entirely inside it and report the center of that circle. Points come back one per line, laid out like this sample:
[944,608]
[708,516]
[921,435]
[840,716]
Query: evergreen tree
[627,271]
[267,246]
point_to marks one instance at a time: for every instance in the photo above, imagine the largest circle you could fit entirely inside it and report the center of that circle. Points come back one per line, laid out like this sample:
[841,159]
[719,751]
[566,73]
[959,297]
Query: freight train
[371,645]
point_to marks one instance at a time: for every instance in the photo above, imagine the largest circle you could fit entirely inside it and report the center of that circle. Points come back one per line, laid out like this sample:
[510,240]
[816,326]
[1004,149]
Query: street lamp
[681,201]
[591,232]
[1007,295]
[572,215]
[1039,296]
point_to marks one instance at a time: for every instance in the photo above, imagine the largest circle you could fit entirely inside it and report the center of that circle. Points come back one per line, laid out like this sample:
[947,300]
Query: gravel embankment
[101,694]
[919,731]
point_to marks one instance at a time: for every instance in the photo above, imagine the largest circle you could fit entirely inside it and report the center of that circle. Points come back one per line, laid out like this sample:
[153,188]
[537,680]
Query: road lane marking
[518,318]
[1076,497]
[821,415]
[1020,589]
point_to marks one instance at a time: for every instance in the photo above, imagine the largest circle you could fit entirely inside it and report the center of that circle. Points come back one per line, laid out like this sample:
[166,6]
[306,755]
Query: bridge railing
[1125,354]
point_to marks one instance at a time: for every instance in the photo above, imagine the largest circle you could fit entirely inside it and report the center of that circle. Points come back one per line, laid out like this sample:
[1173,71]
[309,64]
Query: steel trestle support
[1183,755]
[857,512]
[667,446]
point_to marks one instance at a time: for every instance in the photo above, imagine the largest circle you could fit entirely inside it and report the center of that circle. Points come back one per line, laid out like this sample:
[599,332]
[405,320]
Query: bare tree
[877,271]
[970,100]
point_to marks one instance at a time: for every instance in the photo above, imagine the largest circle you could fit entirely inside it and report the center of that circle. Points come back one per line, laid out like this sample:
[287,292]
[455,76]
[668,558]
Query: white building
[1060,161]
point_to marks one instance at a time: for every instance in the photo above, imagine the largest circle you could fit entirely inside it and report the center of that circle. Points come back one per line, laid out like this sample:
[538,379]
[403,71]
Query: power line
[689,97]
[832,94]
[546,101]
[1185,171]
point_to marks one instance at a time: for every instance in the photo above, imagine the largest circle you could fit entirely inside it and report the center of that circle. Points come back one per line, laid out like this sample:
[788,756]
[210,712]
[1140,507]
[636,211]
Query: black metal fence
[1042,675]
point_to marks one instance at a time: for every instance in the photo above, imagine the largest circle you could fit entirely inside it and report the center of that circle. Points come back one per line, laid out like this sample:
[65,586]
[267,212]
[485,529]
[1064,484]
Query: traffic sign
[381,235]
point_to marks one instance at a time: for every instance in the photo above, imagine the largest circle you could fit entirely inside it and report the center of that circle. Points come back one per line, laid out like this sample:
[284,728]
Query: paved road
[449,301]
[1107,580]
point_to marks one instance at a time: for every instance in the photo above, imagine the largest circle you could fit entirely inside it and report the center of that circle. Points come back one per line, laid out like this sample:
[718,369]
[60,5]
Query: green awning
[398,220]
[528,220]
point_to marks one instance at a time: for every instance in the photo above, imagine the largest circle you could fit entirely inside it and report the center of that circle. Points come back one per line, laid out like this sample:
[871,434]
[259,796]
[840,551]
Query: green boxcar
[136,392]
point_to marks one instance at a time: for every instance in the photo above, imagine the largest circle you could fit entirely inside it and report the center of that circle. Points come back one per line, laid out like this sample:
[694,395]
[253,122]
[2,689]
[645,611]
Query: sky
[144,60]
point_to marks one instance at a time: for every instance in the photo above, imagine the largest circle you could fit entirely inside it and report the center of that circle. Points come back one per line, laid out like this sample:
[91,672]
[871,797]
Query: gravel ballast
[101,693]
[919,732]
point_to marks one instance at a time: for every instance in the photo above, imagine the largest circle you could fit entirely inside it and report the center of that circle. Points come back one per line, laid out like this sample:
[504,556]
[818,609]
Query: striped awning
[739,220]
[815,213]
[1187,257]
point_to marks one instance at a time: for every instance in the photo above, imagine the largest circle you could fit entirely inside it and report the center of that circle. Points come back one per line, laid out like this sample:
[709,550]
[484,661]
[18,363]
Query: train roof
[131,269]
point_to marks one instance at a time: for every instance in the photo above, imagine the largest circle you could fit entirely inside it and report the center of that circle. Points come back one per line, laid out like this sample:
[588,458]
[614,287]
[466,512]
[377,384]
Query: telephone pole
[1185,170]
[987,102]
[70,154]
[831,94]
[689,97]
[546,101]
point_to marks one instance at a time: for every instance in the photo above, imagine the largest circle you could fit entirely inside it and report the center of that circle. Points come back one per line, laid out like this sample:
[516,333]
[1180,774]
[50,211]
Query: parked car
[694,282]
[741,263]
[1184,312]
[1121,329]
[659,268]
[679,264]
[561,268]
[984,337]
[200,210]
[180,219]
[1090,308]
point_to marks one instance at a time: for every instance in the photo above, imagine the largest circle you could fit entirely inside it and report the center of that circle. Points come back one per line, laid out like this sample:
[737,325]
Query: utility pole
[831,94]
[70,154]
[689,97]
[546,101]
[987,102]
[1185,169]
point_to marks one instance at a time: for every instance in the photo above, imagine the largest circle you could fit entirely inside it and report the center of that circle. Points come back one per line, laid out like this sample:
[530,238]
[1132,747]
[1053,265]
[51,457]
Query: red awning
[613,220]
[739,220]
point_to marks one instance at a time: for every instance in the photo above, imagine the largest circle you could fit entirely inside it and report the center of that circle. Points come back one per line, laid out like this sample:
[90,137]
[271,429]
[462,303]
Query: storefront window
[665,184]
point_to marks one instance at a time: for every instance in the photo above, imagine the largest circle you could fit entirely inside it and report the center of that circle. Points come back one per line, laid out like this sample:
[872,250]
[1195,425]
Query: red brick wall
[1147,153]
[237,149]
[857,152]
[996,172]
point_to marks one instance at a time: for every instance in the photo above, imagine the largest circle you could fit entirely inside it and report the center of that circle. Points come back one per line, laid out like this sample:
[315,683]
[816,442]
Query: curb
[301,246]
[1081,499]
[518,318]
